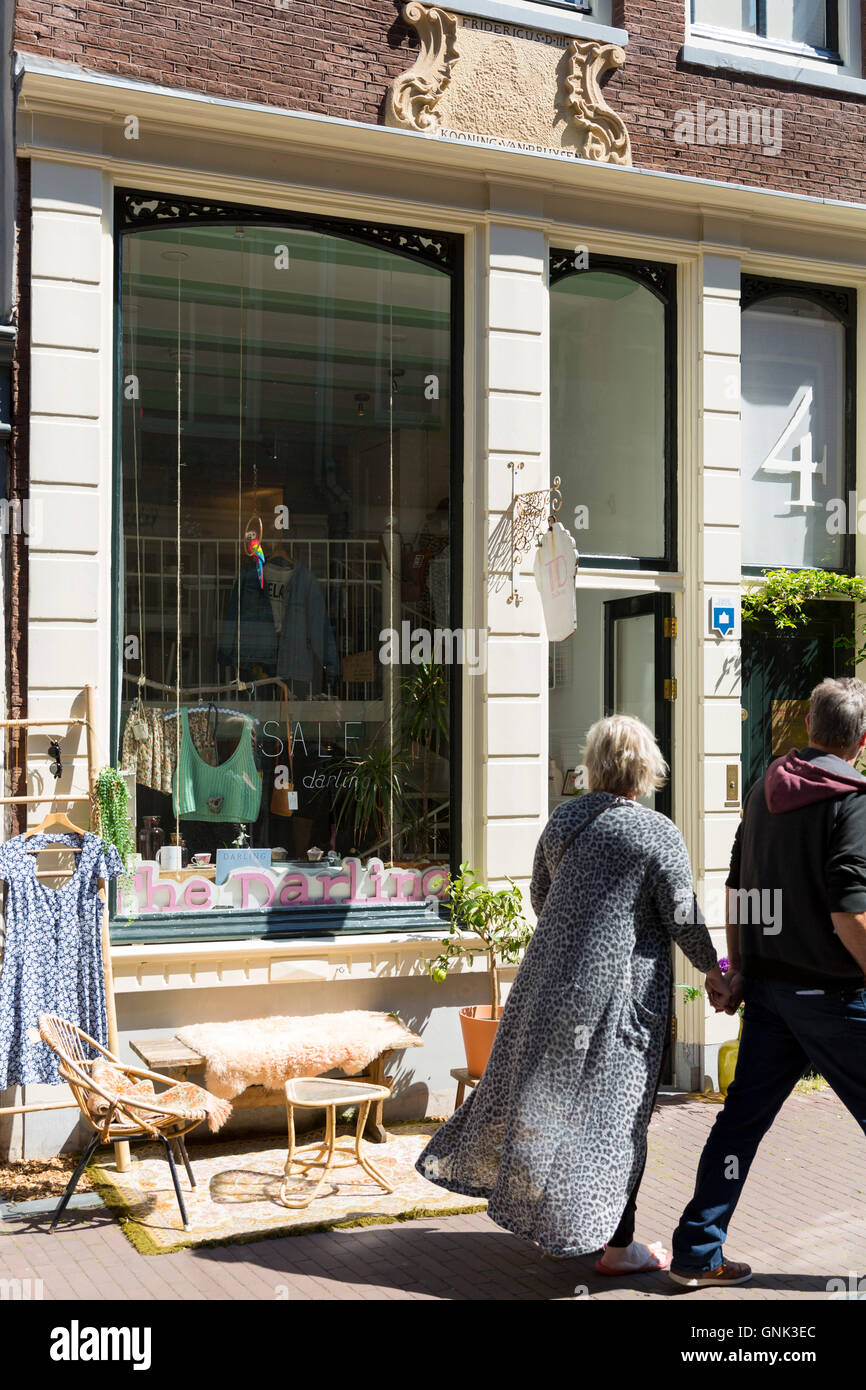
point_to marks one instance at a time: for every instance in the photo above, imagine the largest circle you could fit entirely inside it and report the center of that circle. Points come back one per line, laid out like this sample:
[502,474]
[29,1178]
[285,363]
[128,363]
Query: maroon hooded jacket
[798,856]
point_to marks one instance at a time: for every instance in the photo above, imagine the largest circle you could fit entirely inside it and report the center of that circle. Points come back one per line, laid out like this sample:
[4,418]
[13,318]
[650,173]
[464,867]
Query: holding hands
[724,988]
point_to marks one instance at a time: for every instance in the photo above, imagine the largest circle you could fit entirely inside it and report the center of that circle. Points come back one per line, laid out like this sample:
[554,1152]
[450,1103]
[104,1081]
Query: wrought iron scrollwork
[143,211]
[839,302]
[656,276]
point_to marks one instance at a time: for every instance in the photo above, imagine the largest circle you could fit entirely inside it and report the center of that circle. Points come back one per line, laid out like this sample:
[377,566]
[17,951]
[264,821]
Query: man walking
[797,949]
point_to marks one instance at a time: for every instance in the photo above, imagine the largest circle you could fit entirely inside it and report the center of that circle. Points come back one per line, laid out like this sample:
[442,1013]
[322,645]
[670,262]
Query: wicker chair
[113,1115]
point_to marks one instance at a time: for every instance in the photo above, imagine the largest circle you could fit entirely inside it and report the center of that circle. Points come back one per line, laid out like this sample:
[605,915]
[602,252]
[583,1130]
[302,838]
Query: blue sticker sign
[723,616]
[229,859]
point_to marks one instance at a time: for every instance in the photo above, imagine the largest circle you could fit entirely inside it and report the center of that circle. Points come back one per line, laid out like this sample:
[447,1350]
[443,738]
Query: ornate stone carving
[605,137]
[508,84]
[414,96]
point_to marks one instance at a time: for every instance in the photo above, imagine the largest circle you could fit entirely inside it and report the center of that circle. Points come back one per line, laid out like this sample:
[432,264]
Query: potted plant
[495,916]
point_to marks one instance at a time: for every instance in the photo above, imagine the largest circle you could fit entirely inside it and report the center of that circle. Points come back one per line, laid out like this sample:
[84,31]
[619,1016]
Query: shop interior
[286,435]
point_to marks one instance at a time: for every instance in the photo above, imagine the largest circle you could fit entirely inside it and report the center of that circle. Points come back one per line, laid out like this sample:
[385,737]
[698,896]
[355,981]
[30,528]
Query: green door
[779,672]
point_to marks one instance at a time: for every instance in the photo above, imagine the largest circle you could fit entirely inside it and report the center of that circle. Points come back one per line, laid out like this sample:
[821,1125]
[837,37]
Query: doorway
[619,661]
[637,670]
[780,670]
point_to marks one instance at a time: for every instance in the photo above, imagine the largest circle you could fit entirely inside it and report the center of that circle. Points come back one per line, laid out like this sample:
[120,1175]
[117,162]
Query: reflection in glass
[793,433]
[286,435]
[608,411]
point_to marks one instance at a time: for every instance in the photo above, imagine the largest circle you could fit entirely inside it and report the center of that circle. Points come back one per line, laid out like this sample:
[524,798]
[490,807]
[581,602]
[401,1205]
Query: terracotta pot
[479,1030]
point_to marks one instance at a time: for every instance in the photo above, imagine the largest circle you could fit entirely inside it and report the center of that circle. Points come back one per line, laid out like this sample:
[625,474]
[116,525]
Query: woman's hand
[718,990]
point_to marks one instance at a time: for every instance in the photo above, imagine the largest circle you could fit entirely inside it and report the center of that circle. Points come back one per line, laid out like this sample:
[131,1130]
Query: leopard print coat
[554,1134]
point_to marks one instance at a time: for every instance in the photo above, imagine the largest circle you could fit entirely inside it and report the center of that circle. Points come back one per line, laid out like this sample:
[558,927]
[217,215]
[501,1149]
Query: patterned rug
[236,1197]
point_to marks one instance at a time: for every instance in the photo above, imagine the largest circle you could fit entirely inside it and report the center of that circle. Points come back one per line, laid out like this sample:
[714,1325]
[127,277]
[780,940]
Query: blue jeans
[783,1032]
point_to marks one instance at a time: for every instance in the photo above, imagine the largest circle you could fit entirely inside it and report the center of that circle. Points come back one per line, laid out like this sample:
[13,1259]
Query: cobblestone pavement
[802,1221]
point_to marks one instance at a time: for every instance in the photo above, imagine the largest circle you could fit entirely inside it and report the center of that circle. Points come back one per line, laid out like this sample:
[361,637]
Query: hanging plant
[784,593]
[115,826]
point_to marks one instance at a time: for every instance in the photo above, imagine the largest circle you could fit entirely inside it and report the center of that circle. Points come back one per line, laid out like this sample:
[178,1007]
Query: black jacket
[800,854]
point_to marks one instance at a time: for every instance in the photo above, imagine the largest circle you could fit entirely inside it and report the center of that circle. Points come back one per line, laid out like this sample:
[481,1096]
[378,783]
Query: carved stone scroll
[510,85]
[414,95]
[605,137]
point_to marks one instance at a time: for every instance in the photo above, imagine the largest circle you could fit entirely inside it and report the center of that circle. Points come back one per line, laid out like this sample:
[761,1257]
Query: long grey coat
[554,1135]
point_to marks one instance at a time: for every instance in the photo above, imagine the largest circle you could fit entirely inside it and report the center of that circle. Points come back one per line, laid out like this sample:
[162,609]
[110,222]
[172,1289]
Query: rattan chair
[112,1115]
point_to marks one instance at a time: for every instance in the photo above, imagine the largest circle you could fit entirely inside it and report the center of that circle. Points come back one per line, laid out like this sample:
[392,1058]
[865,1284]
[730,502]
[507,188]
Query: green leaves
[115,826]
[494,915]
[785,592]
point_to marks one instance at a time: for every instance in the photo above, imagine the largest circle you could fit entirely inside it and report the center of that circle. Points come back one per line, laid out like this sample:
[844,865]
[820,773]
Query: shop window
[288,647]
[809,24]
[797,426]
[613,406]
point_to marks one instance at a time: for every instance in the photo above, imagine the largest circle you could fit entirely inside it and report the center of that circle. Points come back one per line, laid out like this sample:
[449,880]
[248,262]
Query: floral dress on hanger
[52,960]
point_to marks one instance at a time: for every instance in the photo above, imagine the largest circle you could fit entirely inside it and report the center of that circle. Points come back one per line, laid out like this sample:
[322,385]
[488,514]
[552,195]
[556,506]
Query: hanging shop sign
[251,886]
[555,568]
[724,613]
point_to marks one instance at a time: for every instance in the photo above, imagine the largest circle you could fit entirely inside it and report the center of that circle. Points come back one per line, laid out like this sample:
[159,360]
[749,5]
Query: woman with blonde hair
[554,1135]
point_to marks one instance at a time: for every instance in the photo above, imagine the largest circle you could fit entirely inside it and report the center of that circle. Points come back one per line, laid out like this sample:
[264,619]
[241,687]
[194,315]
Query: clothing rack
[121,1150]
[198,690]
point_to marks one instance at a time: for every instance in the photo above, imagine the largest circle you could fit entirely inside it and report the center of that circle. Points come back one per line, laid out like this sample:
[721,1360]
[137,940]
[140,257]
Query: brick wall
[338,57]
[816,130]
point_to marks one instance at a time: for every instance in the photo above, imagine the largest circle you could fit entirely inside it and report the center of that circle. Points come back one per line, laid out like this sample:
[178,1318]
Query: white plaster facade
[510,208]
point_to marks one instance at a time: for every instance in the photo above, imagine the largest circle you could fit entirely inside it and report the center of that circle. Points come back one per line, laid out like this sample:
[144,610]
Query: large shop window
[798,436]
[613,406]
[288,545]
[811,24]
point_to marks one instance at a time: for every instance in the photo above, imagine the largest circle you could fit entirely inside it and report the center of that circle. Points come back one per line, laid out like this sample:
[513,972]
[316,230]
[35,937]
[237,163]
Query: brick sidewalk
[802,1220]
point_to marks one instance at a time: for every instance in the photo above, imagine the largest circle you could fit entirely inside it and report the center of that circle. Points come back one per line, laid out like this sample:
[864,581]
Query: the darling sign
[349,884]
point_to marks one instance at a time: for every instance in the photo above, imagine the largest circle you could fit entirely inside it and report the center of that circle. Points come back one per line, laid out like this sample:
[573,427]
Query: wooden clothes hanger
[55,820]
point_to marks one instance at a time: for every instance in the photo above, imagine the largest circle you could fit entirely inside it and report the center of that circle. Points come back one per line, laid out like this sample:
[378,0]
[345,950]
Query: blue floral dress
[52,960]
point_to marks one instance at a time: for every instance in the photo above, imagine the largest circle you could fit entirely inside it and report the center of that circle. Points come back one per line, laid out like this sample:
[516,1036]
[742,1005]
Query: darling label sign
[348,884]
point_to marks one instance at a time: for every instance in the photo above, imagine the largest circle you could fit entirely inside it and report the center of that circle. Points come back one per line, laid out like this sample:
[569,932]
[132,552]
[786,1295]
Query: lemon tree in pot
[495,916]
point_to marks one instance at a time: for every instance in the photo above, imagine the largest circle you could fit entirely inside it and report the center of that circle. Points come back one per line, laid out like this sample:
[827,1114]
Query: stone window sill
[214,964]
[550,19]
[706,53]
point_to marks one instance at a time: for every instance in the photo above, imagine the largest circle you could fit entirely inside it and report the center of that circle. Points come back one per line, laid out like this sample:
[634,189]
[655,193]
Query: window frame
[841,302]
[445,251]
[660,278]
[831,53]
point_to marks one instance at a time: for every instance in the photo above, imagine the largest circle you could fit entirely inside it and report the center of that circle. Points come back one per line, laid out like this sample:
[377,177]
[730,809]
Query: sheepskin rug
[268,1051]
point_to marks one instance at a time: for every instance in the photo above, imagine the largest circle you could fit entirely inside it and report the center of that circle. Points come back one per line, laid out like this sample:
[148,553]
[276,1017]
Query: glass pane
[634,667]
[286,433]
[607,347]
[793,466]
[727,14]
[798,21]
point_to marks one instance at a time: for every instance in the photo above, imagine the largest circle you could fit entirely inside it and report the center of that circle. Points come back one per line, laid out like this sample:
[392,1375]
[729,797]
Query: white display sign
[555,568]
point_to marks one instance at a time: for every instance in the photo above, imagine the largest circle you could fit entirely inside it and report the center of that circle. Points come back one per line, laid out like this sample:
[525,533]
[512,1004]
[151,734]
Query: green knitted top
[230,792]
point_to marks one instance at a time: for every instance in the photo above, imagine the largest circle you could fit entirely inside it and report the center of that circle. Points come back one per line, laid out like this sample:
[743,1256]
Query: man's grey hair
[837,714]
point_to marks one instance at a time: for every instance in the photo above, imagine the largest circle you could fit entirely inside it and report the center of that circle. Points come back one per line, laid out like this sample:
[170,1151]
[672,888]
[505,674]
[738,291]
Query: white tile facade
[515,784]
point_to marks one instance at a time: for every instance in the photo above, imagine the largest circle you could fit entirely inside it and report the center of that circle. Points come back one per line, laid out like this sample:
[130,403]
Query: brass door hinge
[674,1029]
[671,689]
[670,627]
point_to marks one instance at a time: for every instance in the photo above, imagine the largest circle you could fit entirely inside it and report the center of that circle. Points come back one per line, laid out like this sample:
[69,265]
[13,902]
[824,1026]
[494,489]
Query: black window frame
[142,210]
[660,278]
[831,51]
[842,304]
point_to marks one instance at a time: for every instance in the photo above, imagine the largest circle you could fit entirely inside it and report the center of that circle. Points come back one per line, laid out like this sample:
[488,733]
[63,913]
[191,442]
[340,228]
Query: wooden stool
[326,1093]
[464,1078]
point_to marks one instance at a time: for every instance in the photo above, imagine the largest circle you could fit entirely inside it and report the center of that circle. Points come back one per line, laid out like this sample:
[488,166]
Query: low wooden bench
[174,1057]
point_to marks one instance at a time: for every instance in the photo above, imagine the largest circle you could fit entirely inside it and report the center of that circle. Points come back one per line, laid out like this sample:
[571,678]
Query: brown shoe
[727,1274]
